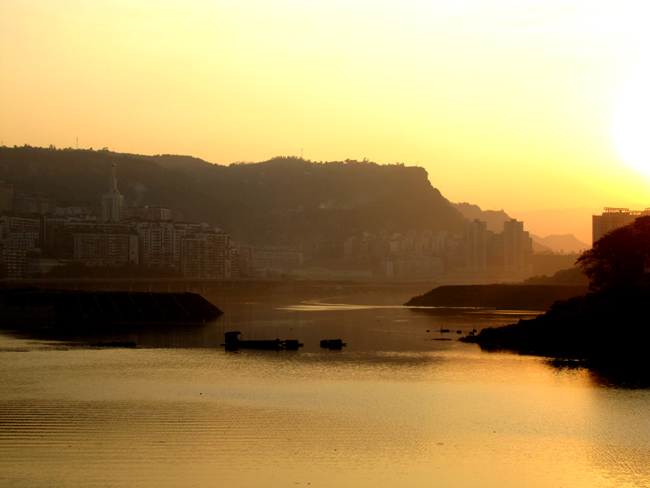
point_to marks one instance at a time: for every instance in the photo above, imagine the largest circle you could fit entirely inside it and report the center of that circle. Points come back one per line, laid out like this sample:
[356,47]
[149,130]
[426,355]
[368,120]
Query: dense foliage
[617,259]
[567,277]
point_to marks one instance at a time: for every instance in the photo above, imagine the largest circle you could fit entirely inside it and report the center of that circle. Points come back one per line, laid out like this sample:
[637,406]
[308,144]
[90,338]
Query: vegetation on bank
[600,326]
[609,326]
[565,277]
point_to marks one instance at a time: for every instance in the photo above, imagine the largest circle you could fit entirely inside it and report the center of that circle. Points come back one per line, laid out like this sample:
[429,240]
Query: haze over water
[394,408]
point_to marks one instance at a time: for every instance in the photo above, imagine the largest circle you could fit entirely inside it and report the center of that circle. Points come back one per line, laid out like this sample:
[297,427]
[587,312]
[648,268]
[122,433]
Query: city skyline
[115,235]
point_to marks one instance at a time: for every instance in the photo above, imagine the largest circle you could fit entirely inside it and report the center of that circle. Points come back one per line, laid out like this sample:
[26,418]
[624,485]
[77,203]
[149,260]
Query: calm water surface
[394,408]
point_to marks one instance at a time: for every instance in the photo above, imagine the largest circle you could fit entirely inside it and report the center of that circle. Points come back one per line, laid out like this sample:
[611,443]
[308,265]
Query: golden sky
[514,104]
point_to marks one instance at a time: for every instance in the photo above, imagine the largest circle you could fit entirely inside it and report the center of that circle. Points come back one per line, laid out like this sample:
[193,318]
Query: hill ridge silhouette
[280,202]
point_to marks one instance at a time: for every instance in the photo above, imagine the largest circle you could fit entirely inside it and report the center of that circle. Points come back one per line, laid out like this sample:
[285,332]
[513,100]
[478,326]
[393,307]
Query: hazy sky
[522,105]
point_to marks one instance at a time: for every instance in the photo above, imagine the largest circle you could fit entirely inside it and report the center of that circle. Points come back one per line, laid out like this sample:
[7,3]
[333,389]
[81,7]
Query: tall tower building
[516,244]
[477,245]
[112,202]
[613,218]
[6,196]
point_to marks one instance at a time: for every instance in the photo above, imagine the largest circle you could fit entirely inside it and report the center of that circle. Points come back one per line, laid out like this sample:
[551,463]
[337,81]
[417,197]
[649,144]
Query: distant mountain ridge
[173,161]
[280,202]
[566,243]
[494,218]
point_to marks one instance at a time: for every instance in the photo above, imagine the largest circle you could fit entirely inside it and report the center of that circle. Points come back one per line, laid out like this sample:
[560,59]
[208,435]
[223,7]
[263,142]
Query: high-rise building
[20,232]
[6,196]
[112,202]
[516,245]
[160,244]
[106,249]
[13,262]
[207,255]
[59,232]
[477,246]
[193,257]
[218,263]
[613,218]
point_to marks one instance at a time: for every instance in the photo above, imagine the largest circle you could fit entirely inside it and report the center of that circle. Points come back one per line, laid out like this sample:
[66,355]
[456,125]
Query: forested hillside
[278,202]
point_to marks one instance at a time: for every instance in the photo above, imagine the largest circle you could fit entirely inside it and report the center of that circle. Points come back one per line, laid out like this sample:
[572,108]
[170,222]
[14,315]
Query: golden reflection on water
[167,417]
[393,409]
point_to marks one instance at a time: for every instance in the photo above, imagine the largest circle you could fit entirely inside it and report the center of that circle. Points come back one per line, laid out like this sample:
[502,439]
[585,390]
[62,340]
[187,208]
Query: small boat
[332,343]
[233,343]
[292,345]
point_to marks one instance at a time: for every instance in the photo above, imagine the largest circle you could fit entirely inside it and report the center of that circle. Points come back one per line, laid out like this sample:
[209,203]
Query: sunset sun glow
[632,120]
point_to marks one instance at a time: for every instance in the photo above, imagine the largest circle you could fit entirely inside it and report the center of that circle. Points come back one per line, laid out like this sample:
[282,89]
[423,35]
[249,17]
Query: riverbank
[501,297]
[606,328]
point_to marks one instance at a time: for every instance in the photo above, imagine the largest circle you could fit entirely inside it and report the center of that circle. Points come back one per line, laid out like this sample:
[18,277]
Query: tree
[617,259]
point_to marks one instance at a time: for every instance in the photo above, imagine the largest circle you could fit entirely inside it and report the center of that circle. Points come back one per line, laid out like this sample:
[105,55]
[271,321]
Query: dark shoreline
[500,297]
[66,308]
[605,330]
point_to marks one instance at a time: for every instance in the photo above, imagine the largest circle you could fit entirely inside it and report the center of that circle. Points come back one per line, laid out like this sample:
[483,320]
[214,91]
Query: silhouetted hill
[540,248]
[173,161]
[566,243]
[283,201]
[494,218]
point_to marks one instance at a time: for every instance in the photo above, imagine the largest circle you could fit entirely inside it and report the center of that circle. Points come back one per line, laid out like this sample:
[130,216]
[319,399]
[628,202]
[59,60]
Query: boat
[292,345]
[332,343]
[233,343]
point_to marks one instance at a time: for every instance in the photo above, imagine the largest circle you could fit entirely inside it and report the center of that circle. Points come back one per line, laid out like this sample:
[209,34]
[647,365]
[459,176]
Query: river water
[395,408]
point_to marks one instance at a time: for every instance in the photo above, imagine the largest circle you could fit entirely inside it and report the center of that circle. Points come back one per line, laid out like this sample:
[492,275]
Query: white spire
[112,202]
[113,184]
